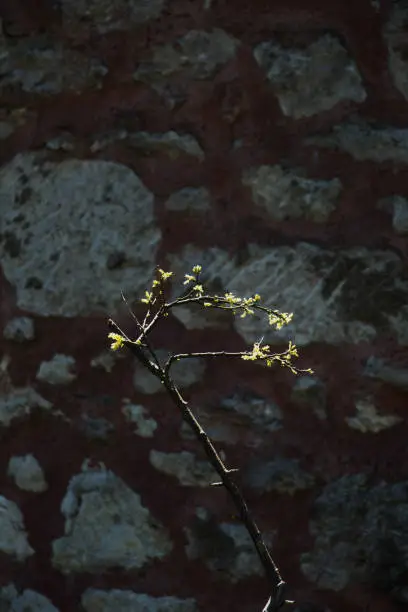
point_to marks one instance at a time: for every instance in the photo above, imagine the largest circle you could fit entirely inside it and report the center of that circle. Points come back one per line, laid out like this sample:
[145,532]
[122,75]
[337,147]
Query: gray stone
[364,141]
[184,373]
[189,471]
[60,223]
[108,15]
[138,415]
[96,600]
[398,207]
[389,373]
[41,65]
[336,295]
[394,35]
[17,403]
[189,199]
[27,473]
[19,329]
[361,534]
[106,526]
[259,410]
[197,55]
[225,548]
[368,420]
[280,475]
[310,391]
[13,537]
[96,428]
[170,143]
[57,371]
[25,601]
[288,194]
[311,80]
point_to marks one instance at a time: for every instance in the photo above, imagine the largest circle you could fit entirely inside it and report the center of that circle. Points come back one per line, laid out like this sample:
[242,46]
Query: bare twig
[146,355]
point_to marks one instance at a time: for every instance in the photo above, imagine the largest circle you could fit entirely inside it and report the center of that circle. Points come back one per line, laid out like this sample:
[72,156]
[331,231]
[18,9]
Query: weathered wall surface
[268,142]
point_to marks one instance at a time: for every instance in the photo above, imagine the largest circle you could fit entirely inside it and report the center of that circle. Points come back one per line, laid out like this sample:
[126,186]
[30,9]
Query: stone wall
[268,142]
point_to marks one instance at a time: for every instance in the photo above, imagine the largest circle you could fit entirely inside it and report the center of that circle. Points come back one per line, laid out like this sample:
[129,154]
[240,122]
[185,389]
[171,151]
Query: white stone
[13,537]
[108,15]
[40,65]
[78,233]
[189,471]
[368,420]
[310,80]
[57,371]
[366,142]
[106,526]
[20,402]
[394,35]
[137,414]
[398,206]
[171,143]
[26,601]
[334,295]
[116,600]
[19,329]
[288,194]
[189,199]
[27,473]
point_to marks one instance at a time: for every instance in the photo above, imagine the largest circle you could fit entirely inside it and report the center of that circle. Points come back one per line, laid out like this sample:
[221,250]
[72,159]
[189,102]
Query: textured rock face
[343,296]
[312,79]
[27,473]
[287,194]
[269,146]
[375,547]
[106,526]
[13,537]
[95,600]
[26,601]
[80,212]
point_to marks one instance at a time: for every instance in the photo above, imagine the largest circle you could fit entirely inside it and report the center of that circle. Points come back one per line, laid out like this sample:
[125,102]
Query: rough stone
[96,600]
[398,207]
[43,66]
[96,428]
[225,548]
[108,15]
[313,79]
[389,373]
[288,194]
[13,537]
[58,261]
[259,410]
[27,473]
[310,391]
[137,414]
[107,360]
[19,329]
[368,420]
[394,35]
[20,402]
[197,55]
[170,143]
[106,526]
[189,199]
[281,475]
[360,534]
[336,296]
[189,471]
[185,373]
[365,141]
[57,371]
[25,601]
